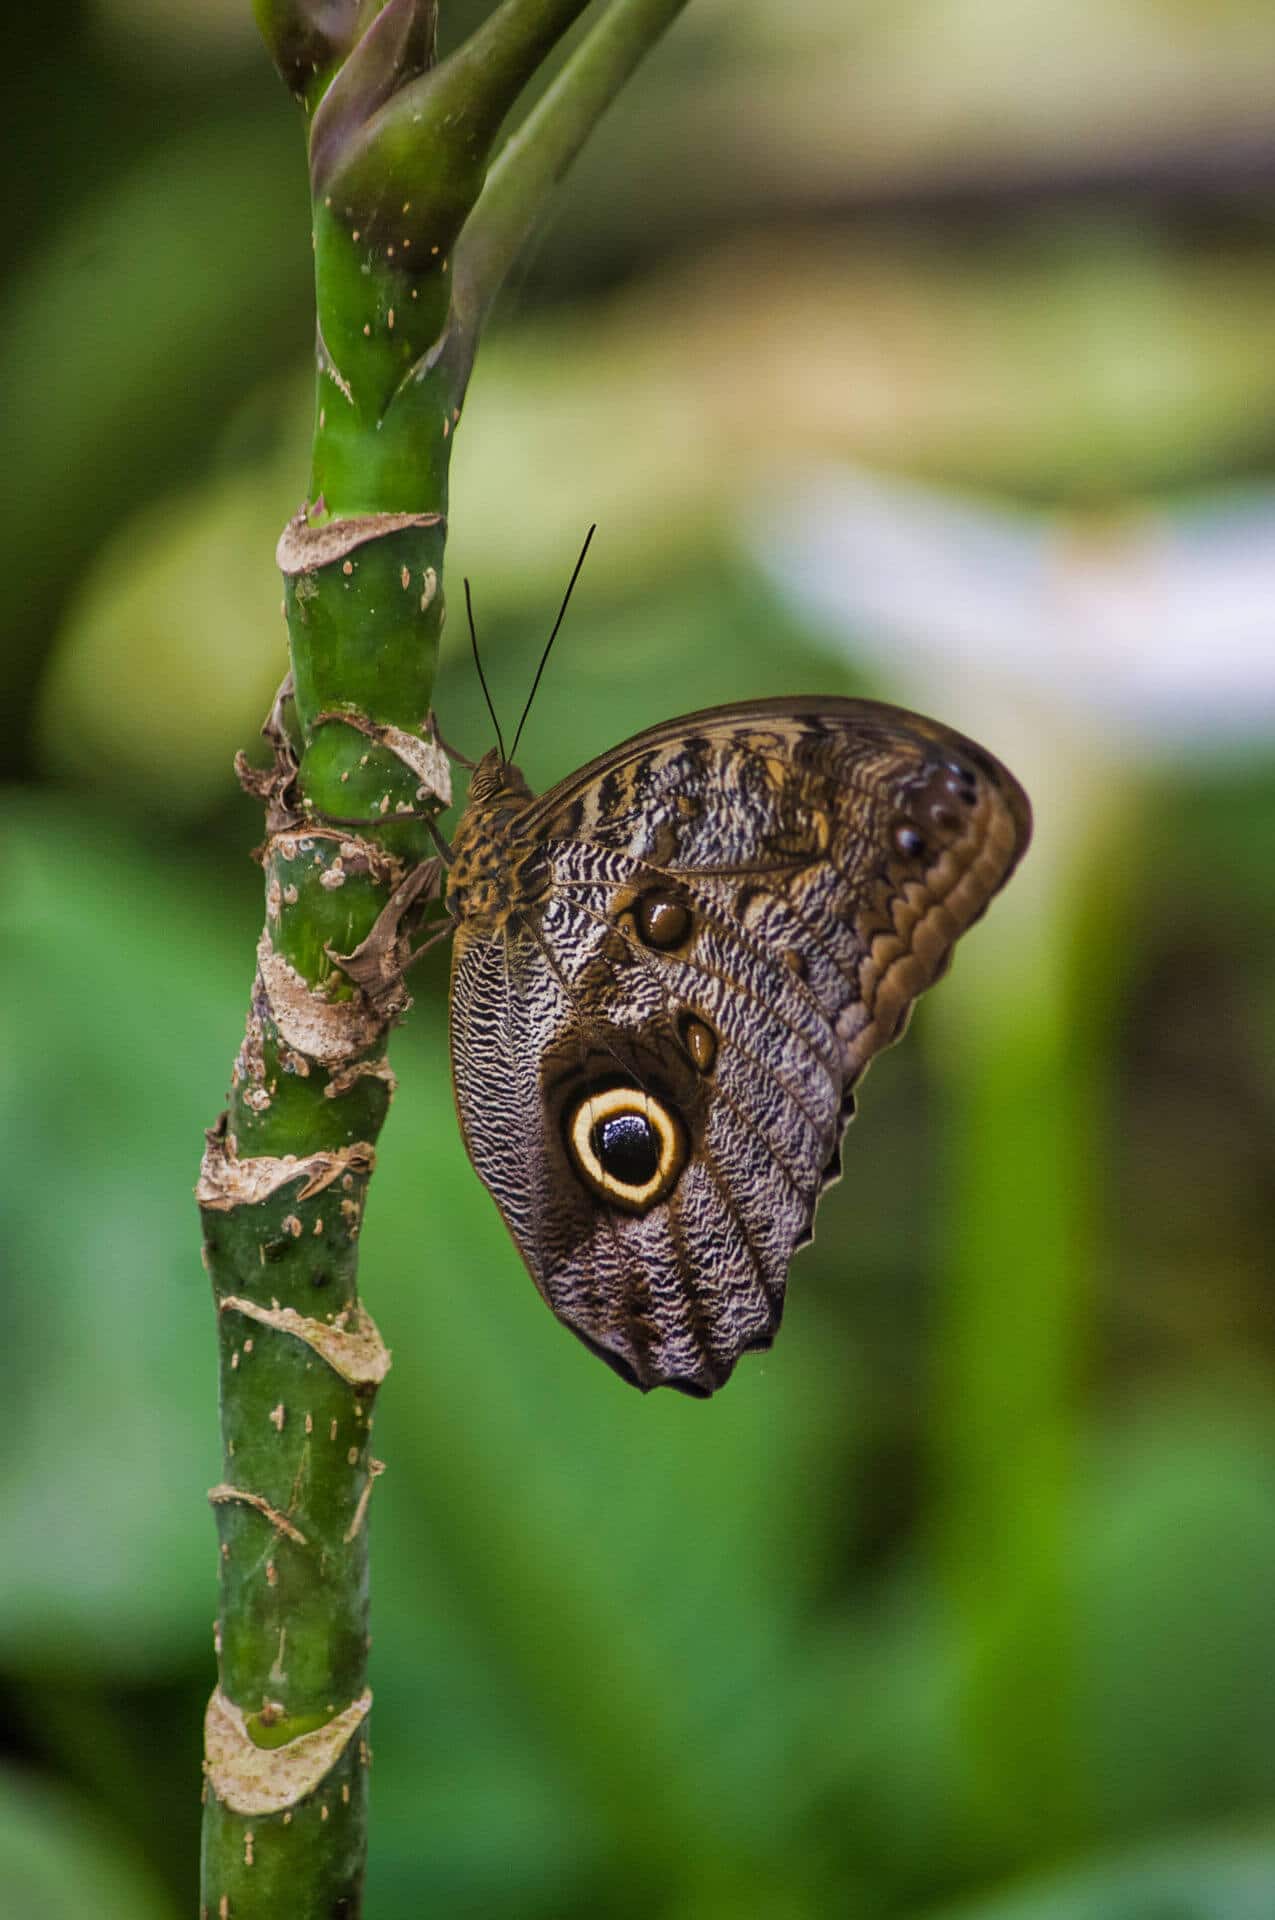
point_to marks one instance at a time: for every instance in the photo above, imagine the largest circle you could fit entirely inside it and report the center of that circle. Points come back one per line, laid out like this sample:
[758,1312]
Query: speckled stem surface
[399,147]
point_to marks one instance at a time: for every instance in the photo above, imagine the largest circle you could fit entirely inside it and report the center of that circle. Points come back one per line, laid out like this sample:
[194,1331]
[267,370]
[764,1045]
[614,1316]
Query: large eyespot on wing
[628,1109]
[627,1144]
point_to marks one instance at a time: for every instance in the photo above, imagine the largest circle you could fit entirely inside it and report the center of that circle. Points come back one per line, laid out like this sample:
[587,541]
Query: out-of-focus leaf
[1210,1879]
[1178,1561]
[133,693]
[60,1858]
[181,281]
[179,28]
[129,989]
[1173,1676]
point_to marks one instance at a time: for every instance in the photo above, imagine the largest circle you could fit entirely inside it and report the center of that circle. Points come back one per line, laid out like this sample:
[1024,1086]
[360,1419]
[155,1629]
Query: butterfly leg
[379,961]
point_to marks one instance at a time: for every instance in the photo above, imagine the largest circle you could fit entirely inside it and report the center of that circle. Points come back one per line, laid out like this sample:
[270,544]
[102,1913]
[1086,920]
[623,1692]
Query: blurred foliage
[955,1606]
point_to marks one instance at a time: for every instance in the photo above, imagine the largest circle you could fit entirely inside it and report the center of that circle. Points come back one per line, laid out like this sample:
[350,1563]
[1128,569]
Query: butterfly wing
[710,933]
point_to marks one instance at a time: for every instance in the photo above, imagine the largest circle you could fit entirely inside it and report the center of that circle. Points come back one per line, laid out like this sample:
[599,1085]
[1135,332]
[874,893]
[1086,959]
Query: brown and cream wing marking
[669,972]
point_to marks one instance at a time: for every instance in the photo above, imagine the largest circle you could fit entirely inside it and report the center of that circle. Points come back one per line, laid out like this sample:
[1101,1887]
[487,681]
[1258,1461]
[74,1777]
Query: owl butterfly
[669,973]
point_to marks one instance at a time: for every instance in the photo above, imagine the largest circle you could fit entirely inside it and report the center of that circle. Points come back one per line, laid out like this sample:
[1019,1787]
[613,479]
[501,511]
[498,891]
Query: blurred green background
[920,351]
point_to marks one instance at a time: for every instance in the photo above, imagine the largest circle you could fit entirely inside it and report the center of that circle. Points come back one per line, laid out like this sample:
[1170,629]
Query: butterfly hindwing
[670,971]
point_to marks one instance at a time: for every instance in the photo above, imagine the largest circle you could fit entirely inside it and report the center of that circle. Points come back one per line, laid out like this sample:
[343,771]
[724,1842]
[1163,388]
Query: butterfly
[669,973]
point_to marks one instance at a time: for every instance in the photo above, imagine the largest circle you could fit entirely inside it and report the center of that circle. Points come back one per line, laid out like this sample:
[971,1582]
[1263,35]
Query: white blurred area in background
[1153,630]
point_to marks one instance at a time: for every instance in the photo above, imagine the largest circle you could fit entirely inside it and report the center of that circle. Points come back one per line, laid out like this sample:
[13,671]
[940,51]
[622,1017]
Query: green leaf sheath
[399,152]
[307,43]
[539,152]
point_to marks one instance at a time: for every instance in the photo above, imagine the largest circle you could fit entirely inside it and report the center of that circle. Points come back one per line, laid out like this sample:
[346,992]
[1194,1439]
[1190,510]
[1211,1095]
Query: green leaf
[60,1859]
[1212,1879]
[130,993]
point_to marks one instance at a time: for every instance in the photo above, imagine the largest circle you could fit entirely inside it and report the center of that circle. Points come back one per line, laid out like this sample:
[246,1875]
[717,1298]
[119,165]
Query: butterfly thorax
[489,876]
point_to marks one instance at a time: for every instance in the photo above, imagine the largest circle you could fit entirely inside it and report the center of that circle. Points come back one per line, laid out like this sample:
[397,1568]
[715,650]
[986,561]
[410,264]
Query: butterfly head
[496,782]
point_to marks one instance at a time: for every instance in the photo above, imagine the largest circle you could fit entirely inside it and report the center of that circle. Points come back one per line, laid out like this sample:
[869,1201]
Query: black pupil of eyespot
[628,1149]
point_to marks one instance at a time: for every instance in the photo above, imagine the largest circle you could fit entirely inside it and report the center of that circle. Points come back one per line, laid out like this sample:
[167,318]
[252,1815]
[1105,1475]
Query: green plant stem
[399,153]
[539,152]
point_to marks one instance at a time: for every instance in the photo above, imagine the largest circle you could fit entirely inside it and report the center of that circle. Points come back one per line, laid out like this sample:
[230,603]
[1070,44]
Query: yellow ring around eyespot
[596,1107]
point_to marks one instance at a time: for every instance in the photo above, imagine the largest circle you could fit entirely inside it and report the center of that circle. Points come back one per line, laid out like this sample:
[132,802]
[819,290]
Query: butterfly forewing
[670,971]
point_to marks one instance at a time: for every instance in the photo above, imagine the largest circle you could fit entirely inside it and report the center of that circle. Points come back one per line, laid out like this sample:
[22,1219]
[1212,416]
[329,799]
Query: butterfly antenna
[566,599]
[473,641]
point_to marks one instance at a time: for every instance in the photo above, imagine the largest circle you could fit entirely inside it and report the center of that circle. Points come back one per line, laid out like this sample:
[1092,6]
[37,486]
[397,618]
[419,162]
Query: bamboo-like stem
[399,148]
